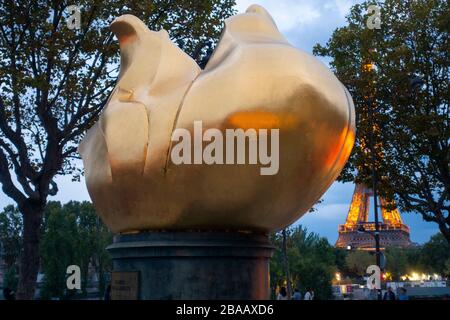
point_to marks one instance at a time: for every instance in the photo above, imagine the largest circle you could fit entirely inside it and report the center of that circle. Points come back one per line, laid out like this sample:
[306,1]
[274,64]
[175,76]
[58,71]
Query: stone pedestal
[195,265]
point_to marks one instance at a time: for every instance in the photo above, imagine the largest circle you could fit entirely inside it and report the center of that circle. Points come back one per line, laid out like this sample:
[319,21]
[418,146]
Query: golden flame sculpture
[254,80]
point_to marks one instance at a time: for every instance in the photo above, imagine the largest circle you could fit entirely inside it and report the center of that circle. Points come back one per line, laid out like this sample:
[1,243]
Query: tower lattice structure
[357,231]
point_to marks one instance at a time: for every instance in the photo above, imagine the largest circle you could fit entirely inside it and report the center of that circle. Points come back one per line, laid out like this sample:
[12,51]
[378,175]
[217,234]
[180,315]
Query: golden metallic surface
[254,80]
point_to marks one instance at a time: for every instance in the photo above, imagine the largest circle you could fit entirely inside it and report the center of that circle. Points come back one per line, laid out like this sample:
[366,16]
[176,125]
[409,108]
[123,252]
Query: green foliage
[73,235]
[92,239]
[10,235]
[58,250]
[409,87]
[432,257]
[340,256]
[311,262]
[398,262]
[435,255]
[357,262]
[413,259]
[447,267]
[11,278]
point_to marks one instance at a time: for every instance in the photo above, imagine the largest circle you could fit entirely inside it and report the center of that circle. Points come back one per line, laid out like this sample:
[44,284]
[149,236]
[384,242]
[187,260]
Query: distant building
[357,232]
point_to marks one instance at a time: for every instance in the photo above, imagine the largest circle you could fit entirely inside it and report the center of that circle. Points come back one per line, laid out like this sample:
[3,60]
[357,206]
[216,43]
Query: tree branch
[17,140]
[8,186]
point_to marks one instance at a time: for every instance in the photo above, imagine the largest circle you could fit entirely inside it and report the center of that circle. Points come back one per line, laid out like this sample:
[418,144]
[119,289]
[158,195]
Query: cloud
[304,22]
[326,219]
[291,14]
[334,208]
[329,212]
[73,190]
[288,14]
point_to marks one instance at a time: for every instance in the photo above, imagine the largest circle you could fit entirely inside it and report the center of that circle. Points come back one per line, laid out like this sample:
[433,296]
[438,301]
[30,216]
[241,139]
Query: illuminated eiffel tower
[356,232]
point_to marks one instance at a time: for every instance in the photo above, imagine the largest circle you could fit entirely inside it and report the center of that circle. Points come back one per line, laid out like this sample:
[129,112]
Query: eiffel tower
[355,233]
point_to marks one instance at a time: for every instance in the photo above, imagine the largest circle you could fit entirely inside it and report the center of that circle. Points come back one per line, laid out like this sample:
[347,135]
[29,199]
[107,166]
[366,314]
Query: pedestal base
[195,265]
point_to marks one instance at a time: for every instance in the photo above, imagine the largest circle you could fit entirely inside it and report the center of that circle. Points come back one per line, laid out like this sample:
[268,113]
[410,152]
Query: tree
[340,256]
[400,70]
[357,262]
[435,255]
[10,243]
[311,261]
[58,249]
[73,233]
[397,262]
[447,267]
[10,235]
[92,237]
[55,80]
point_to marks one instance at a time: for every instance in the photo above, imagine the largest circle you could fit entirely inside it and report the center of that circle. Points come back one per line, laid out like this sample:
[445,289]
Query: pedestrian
[373,294]
[282,295]
[389,294]
[403,295]
[297,295]
[107,295]
[309,295]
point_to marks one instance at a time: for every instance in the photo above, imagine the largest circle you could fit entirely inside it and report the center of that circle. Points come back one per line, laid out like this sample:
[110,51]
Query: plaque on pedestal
[125,285]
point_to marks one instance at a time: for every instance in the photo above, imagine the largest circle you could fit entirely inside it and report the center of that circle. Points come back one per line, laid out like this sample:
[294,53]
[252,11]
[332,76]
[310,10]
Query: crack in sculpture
[166,166]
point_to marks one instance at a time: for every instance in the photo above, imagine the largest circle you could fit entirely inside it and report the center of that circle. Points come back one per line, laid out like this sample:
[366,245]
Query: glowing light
[414,276]
[387,276]
[368,67]
[353,213]
[340,151]
[262,120]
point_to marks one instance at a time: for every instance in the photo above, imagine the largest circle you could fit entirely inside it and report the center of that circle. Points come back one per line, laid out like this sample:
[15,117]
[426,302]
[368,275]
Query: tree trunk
[286,266]
[30,257]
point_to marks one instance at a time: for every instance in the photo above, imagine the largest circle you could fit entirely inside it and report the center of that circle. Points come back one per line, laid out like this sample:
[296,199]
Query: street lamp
[382,257]
[376,235]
